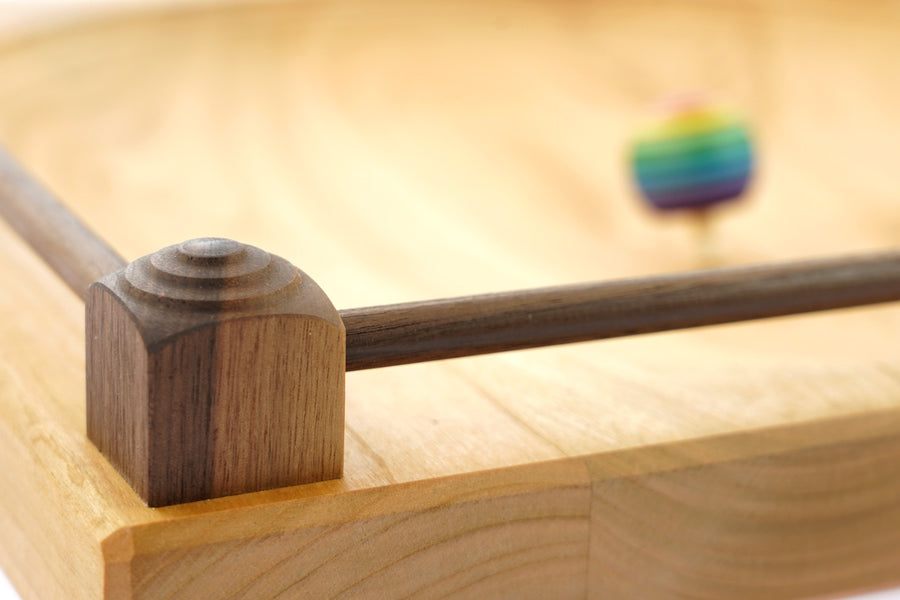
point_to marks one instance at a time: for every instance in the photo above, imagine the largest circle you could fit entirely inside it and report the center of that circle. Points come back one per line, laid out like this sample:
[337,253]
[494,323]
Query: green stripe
[697,161]
[700,143]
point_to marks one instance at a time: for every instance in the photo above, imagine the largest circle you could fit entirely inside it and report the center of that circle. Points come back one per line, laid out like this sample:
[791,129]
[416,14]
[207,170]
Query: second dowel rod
[421,331]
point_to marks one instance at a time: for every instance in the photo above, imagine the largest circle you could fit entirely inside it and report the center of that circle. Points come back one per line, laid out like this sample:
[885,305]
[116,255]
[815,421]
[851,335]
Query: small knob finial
[211,274]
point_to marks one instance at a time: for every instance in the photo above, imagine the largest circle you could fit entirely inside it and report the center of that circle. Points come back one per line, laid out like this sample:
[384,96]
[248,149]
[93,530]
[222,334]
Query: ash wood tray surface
[406,150]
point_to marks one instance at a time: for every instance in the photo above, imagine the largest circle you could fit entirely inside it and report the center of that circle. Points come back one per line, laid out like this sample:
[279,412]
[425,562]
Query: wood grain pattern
[312,130]
[738,564]
[214,368]
[740,528]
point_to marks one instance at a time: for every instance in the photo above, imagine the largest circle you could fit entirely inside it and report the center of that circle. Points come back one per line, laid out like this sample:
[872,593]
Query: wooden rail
[421,331]
[65,243]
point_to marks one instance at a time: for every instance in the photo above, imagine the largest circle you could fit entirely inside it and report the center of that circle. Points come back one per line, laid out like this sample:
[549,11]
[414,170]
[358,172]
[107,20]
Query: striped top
[692,156]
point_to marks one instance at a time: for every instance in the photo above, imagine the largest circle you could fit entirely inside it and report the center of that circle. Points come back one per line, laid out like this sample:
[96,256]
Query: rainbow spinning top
[691,156]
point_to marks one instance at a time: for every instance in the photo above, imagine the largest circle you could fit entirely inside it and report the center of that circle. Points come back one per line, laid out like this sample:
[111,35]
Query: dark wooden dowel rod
[422,331]
[66,244]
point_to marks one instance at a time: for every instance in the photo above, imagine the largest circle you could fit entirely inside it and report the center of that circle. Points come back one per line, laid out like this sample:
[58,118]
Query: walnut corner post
[214,368]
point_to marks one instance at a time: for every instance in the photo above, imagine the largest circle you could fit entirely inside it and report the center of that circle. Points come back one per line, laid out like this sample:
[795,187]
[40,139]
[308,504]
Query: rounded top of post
[214,249]
[211,274]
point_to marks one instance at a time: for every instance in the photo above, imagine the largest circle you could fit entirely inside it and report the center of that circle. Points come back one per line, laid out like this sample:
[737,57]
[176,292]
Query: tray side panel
[810,522]
[58,497]
[47,549]
[505,534]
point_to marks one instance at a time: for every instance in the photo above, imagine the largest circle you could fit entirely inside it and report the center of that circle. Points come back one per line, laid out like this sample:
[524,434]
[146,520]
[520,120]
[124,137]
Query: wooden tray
[406,150]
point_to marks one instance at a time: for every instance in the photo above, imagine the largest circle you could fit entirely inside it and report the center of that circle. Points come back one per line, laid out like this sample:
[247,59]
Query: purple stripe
[698,196]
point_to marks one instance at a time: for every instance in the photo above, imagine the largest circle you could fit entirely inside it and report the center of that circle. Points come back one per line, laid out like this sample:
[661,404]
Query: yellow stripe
[686,124]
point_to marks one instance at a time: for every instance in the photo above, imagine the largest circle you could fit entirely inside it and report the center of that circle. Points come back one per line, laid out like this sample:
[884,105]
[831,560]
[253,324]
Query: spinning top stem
[704,237]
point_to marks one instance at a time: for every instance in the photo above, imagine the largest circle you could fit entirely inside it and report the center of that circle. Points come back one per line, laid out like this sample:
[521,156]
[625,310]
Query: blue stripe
[693,162]
[687,176]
